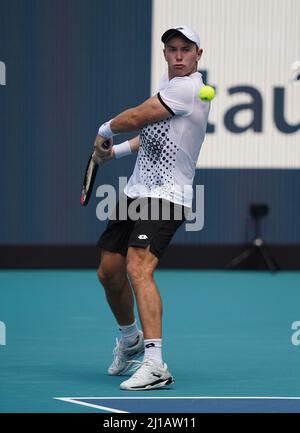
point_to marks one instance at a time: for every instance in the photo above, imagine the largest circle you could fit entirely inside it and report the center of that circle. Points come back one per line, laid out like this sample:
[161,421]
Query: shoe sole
[162,384]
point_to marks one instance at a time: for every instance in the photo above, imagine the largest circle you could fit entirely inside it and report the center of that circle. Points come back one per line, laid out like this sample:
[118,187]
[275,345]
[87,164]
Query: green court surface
[226,334]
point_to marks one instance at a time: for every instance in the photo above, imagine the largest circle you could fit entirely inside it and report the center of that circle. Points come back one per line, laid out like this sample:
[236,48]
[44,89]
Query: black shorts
[140,223]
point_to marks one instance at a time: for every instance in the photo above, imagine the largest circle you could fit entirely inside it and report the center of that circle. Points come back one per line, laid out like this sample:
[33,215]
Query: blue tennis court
[228,340]
[135,71]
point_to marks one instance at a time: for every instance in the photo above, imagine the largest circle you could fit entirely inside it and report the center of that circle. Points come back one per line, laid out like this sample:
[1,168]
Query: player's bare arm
[129,120]
[135,118]
[134,144]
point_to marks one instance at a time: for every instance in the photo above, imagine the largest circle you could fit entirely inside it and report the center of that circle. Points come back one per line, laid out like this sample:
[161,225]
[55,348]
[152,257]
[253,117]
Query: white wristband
[122,149]
[105,130]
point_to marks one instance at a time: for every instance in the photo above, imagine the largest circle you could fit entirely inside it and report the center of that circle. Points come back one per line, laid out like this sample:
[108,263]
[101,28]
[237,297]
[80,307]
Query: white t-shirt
[169,149]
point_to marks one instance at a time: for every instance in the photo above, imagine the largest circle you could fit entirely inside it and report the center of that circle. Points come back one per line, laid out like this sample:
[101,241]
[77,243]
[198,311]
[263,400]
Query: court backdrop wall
[70,65]
[250,47]
[252,148]
[67,66]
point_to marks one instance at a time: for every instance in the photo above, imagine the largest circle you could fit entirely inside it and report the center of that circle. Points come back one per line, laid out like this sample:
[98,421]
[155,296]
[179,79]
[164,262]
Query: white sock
[130,334]
[153,350]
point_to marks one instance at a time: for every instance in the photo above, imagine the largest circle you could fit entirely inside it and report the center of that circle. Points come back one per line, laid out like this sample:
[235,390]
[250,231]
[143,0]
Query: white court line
[168,398]
[109,409]
[96,406]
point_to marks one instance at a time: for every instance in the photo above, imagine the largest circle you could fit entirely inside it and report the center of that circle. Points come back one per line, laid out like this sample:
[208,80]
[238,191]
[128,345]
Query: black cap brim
[172,32]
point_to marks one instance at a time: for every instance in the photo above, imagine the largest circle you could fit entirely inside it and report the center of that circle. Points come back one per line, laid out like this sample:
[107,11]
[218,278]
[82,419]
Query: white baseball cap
[185,31]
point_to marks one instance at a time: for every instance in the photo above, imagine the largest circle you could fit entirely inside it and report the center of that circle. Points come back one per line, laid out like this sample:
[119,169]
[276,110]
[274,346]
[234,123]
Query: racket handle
[106,145]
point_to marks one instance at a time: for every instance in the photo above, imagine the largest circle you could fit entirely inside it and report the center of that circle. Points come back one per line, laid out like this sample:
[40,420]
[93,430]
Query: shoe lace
[137,367]
[117,351]
[117,347]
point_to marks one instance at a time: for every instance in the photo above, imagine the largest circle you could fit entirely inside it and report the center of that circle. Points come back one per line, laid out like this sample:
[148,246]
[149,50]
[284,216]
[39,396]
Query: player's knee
[138,269]
[102,275]
[107,276]
[112,270]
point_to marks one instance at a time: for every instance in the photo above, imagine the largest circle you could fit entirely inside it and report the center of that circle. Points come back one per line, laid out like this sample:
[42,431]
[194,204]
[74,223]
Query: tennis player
[172,126]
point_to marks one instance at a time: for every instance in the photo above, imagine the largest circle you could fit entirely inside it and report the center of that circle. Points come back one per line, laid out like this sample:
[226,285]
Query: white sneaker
[123,356]
[148,375]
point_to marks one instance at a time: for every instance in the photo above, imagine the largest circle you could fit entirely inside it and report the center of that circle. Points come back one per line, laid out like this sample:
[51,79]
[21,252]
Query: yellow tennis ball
[206,93]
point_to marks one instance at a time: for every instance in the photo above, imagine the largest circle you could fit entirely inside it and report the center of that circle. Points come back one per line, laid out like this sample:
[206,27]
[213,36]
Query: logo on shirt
[142,236]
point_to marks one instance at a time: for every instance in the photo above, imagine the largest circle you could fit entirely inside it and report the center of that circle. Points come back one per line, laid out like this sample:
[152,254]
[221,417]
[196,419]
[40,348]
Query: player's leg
[147,243]
[141,264]
[112,275]
[152,372]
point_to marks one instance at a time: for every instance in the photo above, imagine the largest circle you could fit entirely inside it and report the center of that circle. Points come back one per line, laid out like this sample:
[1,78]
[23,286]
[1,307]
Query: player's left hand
[102,154]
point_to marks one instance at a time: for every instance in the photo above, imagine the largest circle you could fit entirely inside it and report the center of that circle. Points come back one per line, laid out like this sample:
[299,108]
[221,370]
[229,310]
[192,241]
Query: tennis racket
[89,178]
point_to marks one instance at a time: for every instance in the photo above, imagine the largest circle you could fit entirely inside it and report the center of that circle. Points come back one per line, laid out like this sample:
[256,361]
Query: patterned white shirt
[169,149]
